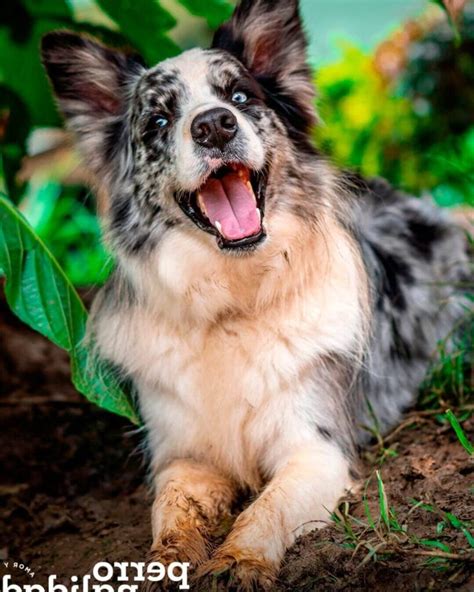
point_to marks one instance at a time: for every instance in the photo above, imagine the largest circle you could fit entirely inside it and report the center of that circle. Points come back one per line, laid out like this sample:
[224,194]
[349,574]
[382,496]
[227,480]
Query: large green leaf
[214,11]
[40,294]
[145,23]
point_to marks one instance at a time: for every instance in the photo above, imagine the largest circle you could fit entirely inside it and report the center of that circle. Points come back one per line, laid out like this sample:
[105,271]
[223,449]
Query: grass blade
[453,420]
[383,502]
[435,544]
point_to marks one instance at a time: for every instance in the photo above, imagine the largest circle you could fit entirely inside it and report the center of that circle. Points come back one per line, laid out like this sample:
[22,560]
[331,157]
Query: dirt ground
[73,492]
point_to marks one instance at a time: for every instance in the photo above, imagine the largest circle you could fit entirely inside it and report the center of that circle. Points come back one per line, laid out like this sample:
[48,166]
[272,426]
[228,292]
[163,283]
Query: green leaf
[214,11]
[453,420]
[435,544]
[383,502]
[145,24]
[460,525]
[40,294]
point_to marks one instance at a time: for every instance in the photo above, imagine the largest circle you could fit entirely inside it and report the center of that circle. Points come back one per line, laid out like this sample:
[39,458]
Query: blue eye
[160,121]
[239,97]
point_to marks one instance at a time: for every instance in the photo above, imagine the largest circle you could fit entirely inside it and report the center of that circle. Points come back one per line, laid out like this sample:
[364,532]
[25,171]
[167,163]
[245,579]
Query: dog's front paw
[236,569]
[185,546]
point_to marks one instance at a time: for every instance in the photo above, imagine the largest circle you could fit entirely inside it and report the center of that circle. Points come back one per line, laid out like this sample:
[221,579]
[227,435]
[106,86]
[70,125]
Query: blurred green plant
[415,128]
[364,125]
[64,217]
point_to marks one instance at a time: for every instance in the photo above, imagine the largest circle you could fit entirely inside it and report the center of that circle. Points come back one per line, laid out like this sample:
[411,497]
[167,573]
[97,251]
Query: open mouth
[230,206]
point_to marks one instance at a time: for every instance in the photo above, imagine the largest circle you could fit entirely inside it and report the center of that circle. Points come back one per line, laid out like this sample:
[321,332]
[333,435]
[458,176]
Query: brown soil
[73,492]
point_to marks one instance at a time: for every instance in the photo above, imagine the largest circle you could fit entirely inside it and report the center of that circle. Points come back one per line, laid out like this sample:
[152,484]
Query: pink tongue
[230,202]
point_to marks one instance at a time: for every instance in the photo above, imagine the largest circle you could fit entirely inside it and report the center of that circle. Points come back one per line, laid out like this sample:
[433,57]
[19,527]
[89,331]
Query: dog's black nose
[214,128]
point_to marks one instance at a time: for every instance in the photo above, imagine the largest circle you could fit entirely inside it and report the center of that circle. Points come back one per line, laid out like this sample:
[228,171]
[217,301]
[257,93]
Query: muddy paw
[183,547]
[239,571]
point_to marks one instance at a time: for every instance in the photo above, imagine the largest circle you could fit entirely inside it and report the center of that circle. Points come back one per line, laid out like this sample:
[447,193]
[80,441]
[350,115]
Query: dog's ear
[267,36]
[90,82]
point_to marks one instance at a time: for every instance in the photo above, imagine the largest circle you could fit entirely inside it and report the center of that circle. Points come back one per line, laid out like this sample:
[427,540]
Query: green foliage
[24,23]
[145,24]
[65,219]
[448,520]
[378,535]
[40,294]
[417,130]
[24,91]
[362,122]
[214,11]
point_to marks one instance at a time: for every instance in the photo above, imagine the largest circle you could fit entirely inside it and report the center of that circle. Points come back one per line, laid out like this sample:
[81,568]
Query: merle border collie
[266,305]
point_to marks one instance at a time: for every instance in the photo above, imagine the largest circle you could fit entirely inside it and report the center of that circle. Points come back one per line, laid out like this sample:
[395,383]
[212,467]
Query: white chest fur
[223,349]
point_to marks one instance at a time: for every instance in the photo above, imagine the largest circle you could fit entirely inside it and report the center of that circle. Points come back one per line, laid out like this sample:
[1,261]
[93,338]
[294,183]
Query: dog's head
[199,142]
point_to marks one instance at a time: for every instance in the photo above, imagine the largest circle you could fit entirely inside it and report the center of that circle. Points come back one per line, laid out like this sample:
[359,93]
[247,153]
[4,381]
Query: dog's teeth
[217,224]
[201,203]
[259,214]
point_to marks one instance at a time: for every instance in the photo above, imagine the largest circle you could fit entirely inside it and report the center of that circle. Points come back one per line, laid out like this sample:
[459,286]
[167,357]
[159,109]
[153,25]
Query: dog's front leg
[192,500]
[304,490]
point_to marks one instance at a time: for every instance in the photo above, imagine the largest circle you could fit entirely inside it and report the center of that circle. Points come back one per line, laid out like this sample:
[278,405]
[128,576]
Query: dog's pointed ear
[90,82]
[267,36]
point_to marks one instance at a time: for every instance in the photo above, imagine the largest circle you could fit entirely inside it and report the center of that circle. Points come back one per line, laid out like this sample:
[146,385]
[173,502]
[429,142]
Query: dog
[267,306]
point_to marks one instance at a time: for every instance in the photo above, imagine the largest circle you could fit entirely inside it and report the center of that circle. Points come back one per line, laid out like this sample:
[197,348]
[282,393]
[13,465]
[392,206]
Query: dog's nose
[214,128]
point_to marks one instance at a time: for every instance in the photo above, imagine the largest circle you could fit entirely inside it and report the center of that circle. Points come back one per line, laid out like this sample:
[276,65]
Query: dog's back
[417,261]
